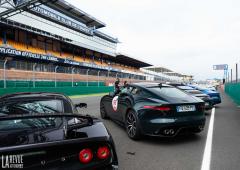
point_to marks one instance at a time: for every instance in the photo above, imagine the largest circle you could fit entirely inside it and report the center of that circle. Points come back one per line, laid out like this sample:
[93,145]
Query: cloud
[188,36]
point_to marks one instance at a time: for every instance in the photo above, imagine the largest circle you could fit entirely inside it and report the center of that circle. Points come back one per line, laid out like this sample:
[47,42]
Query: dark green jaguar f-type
[154,109]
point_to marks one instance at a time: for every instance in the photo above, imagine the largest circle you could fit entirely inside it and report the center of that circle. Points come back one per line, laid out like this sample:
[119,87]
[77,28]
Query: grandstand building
[165,74]
[46,40]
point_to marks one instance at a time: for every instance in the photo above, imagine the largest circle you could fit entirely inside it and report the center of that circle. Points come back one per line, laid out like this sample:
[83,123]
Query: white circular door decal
[115,103]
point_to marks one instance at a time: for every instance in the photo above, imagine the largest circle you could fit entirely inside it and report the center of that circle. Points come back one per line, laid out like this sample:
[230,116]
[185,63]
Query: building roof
[59,5]
[74,12]
[167,71]
[159,69]
[124,59]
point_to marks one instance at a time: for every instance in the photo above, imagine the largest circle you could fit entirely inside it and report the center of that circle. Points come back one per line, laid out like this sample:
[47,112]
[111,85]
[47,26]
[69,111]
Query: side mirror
[81,105]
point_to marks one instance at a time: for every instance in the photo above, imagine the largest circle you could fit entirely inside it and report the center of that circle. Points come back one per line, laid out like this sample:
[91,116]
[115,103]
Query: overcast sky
[187,36]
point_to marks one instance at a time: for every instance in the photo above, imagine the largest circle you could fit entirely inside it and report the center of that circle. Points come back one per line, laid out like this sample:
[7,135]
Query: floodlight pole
[231,76]
[236,73]
[72,74]
[56,75]
[228,77]
[34,78]
[87,76]
[4,74]
[98,77]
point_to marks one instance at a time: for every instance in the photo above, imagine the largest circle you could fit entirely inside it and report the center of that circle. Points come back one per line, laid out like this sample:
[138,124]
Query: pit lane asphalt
[180,153]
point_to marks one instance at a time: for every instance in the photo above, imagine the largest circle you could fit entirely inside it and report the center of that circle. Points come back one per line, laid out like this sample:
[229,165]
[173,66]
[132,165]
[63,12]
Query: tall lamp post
[236,73]
[56,75]
[34,78]
[4,74]
[72,74]
[98,77]
[87,76]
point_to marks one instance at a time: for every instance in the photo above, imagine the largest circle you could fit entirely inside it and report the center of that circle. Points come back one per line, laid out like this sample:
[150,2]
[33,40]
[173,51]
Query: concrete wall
[70,91]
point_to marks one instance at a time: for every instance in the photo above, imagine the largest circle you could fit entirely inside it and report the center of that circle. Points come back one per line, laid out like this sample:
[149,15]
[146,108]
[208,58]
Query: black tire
[132,125]
[103,112]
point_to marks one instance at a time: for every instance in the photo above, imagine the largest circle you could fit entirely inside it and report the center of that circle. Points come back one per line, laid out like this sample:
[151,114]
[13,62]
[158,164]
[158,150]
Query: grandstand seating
[29,48]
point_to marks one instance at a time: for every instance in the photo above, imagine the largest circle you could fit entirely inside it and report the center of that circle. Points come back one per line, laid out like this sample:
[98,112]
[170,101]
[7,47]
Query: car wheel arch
[127,111]
[139,131]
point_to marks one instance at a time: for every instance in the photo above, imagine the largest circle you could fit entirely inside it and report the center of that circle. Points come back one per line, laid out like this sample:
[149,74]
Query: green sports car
[154,109]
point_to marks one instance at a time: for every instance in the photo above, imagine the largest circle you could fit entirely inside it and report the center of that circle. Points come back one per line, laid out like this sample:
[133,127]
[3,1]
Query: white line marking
[208,147]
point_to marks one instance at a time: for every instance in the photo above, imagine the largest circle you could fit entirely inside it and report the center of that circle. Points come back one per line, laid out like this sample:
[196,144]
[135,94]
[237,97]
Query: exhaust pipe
[166,131]
[201,127]
[169,132]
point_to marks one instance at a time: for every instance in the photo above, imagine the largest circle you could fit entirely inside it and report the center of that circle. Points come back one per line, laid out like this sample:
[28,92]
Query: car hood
[24,137]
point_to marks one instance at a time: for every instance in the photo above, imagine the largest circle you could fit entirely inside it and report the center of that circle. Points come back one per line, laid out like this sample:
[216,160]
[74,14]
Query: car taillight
[202,107]
[103,152]
[85,156]
[160,108]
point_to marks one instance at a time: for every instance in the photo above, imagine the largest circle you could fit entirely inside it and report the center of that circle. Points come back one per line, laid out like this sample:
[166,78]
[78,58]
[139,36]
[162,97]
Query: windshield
[34,106]
[169,92]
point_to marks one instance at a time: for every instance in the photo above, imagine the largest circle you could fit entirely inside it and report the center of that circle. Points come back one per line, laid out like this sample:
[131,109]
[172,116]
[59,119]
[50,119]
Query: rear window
[194,91]
[46,106]
[169,92]
[185,87]
[30,124]
[33,106]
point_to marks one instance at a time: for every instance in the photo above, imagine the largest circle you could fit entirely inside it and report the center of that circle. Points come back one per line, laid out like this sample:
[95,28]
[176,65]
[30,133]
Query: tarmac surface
[179,153]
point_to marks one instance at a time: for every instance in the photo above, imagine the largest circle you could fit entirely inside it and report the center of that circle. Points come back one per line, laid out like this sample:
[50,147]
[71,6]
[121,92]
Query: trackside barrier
[70,91]
[18,83]
[233,90]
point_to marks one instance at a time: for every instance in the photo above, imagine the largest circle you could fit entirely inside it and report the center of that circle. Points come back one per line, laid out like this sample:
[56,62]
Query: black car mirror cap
[111,94]
[81,105]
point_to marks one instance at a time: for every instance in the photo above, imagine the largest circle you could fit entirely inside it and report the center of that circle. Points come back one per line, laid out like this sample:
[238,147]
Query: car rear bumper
[208,105]
[74,167]
[170,127]
[216,100]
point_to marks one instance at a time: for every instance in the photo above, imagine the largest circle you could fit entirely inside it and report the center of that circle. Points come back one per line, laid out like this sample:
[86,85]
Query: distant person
[116,86]
[125,84]
[125,87]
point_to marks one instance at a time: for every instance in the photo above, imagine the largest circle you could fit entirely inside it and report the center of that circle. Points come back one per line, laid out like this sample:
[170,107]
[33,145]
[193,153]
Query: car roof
[184,87]
[31,94]
[176,84]
[147,84]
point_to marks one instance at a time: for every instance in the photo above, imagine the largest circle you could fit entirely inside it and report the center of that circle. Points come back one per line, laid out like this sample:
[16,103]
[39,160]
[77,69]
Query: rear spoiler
[44,115]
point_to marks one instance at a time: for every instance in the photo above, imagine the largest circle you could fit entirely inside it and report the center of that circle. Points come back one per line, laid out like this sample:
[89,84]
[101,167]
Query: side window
[135,91]
[127,89]
[140,92]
